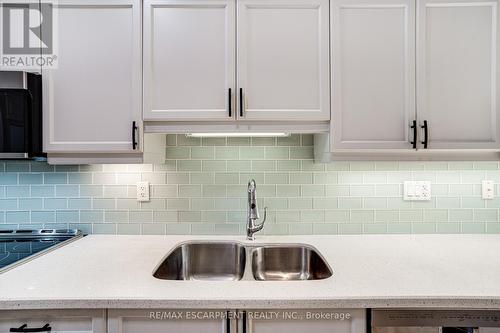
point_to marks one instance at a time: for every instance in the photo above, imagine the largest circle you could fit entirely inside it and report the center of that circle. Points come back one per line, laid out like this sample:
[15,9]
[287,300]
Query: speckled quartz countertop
[459,271]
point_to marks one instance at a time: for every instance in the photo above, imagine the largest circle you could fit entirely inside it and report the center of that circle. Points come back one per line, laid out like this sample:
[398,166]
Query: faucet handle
[265,216]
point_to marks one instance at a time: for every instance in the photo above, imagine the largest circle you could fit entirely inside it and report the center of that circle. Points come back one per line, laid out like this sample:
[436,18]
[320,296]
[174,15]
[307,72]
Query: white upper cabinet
[373,74]
[458,72]
[189,59]
[283,60]
[94,95]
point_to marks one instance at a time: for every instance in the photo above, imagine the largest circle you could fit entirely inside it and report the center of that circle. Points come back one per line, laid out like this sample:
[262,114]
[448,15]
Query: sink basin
[288,262]
[203,261]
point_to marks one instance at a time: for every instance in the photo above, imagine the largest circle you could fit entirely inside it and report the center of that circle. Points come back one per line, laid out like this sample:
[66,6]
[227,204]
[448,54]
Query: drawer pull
[24,329]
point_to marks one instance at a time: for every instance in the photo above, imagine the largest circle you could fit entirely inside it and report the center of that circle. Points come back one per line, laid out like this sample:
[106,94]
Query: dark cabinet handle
[425,127]
[241,105]
[244,322]
[24,329]
[228,319]
[134,130]
[230,103]
[414,128]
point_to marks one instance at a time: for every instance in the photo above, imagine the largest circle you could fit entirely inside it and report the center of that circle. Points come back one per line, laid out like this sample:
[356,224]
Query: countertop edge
[456,303]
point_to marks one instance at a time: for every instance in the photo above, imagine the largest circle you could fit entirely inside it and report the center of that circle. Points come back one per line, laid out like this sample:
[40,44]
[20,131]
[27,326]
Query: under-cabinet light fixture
[237,135]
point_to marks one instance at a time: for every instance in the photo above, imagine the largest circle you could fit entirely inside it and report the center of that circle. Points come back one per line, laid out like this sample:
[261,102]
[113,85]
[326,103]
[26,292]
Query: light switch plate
[142,191]
[417,191]
[488,189]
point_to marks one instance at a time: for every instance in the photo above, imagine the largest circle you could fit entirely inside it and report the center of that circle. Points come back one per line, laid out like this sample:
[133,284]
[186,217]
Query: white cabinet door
[316,321]
[189,59]
[67,321]
[458,72]
[164,321]
[373,74]
[283,60]
[94,94]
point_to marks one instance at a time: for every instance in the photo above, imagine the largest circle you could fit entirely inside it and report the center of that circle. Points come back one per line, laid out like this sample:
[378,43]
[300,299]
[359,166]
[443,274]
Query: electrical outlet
[142,191]
[417,191]
[488,189]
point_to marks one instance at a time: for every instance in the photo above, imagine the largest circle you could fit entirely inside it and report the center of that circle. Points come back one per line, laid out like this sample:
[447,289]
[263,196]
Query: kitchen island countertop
[377,271]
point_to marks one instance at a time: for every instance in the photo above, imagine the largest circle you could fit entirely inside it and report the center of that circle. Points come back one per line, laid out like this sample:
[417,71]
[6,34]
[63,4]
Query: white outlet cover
[417,191]
[142,191]
[488,189]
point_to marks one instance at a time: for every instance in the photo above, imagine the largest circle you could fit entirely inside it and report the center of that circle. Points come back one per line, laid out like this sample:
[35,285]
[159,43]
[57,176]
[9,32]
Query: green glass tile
[128,229]
[350,203]
[486,215]
[362,190]
[362,166]
[473,227]
[424,228]
[276,178]
[181,203]
[174,153]
[362,216]
[350,228]
[288,165]
[214,165]
[291,140]
[189,216]
[214,190]
[300,203]
[411,215]
[264,141]
[387,216]
[325,228]
[301,229]
[165,216]
[375,203]
[213,217]
[288,190]
[301,153]
[240,166]
[202,178]
[178,228]
[104,228]
[460,215]
[141,216]
[375,228]
[301,178]
[227,153]
[183,140]
[202,203]
[288,216]
[264,165]
[238,141]
[399,228]
[436,215]
[448,228]
[277,153]
[202,229]
[307,139]
[213,141]
[189,190]
[252,153]
[325,203]
[350,177]
[337,190]
[226,229]
[202,153]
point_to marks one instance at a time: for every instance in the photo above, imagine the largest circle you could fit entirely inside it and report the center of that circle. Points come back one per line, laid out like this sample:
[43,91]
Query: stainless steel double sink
[228,261]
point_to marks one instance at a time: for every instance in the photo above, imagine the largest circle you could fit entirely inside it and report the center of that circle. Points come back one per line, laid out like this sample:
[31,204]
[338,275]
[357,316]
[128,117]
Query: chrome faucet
[253,211]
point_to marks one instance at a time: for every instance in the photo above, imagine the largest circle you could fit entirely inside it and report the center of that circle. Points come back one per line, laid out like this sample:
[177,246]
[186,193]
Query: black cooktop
[18,245]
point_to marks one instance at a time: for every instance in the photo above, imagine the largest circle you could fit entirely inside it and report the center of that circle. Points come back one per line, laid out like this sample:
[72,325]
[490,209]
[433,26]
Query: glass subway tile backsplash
[201,189]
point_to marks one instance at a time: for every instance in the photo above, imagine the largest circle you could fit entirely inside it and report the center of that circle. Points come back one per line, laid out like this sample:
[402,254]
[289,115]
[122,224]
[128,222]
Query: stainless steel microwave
[20,115]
